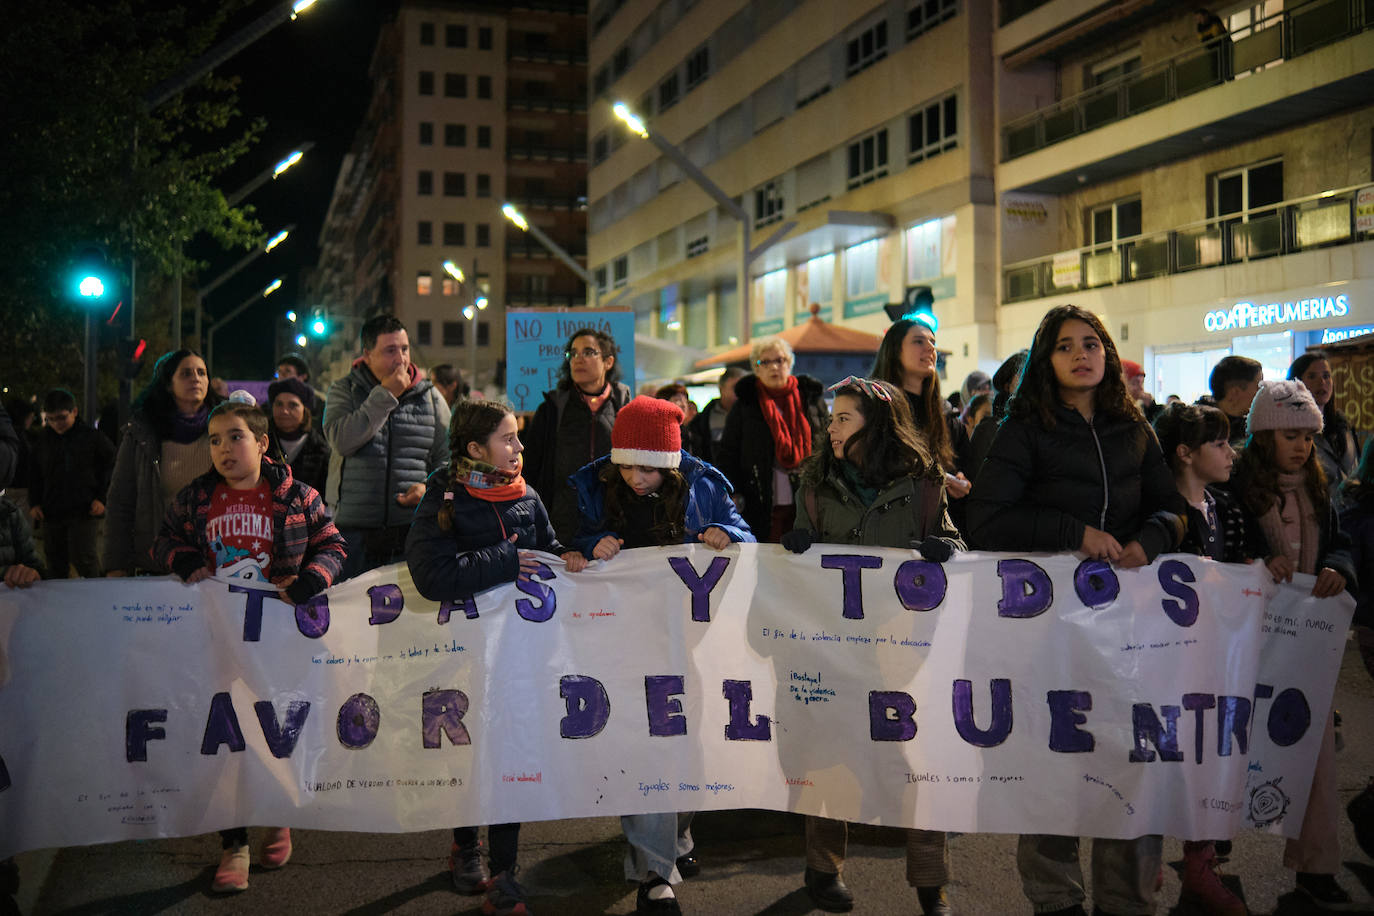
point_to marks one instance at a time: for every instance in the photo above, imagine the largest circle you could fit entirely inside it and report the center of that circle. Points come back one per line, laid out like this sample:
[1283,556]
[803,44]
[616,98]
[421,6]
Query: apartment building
[855,136]
[1205,196]
[474,104]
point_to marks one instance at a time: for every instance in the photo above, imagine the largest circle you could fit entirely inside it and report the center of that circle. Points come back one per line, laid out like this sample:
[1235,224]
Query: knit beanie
[648,433]
[1131,369]
[290,386]
[1283,405]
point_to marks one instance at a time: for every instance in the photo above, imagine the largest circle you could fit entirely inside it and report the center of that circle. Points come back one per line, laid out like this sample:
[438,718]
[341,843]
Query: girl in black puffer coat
[475,529]
[1074,466]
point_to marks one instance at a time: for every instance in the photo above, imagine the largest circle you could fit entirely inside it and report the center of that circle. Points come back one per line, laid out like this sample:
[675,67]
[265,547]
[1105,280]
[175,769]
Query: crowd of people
[1061,449]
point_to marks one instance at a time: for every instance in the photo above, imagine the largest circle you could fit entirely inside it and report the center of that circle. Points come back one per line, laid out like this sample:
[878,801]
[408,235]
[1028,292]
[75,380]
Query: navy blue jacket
[708,504]
[477,554]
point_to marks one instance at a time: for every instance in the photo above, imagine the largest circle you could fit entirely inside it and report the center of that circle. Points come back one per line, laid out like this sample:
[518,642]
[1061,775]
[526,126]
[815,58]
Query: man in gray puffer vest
[388,429]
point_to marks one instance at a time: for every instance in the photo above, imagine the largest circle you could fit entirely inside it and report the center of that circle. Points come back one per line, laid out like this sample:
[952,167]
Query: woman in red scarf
[775,423]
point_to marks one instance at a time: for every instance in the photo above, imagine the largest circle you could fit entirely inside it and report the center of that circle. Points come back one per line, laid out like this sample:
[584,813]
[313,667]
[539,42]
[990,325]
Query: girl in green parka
[873,482]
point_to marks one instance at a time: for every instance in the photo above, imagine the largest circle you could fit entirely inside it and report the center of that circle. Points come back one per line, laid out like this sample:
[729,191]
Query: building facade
[474,104]
[1203,196]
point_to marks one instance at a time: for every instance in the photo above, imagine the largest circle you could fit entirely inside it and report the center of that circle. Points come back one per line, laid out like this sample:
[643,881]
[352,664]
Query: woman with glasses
[572,427]
[777,420]
[906,360]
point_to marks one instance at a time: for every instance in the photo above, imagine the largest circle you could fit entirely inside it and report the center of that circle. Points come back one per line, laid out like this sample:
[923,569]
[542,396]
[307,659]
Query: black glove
[936,550]
[799,540]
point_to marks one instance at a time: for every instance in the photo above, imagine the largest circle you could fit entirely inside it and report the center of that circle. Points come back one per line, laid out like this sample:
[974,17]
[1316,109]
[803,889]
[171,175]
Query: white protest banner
[990,693]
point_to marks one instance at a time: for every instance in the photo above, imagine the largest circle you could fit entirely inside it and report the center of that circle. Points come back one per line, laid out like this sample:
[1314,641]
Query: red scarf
[786,419]
[485,482]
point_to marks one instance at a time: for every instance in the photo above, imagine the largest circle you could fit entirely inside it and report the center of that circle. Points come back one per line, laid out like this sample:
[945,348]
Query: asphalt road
[751,864]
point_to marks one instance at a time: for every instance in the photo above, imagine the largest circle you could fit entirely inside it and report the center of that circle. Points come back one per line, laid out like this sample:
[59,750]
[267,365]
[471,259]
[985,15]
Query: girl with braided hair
[478,527]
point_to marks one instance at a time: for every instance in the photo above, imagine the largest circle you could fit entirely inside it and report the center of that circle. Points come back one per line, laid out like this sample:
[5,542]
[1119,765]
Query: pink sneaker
[1202,884]
[232,874]
[276,852]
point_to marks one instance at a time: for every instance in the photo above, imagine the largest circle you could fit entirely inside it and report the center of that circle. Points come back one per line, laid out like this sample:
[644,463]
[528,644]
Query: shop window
[455,36]
[424,232]
[819,285]
[866,48]
[861,269]
[455,234]
[426,82]
[424,332]
[424,283]
[924,15]
[698,67]
[455,184]
[455,135]
[867,159]
[768,203]
[933,129]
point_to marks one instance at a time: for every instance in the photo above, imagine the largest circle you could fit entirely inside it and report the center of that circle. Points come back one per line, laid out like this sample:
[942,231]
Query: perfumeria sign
[1251,315]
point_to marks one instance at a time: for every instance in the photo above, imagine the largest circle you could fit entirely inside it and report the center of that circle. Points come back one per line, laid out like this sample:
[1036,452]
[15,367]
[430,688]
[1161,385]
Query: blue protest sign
[535,339]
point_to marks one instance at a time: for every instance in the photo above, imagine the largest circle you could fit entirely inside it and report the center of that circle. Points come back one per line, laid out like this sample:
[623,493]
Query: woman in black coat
[292,436]
[776,422]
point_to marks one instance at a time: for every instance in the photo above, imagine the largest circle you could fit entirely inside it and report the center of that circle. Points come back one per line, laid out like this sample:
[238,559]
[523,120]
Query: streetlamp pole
[243,262]
[518,219]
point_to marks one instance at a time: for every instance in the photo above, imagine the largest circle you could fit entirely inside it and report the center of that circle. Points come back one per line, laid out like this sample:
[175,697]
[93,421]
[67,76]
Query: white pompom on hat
[1283,405]
[647,433]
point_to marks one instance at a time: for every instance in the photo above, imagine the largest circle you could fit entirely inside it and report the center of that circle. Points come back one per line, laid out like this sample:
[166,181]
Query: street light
[454,271]
[518,220]
[215,284]
[267,290]
[291,315]
[276,240]
[689,168]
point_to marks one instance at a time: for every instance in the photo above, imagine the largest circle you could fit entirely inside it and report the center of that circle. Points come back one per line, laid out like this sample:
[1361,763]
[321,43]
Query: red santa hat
[648,433]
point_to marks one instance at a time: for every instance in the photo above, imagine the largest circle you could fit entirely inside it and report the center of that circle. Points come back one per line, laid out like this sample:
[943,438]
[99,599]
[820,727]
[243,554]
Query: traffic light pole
[89,405]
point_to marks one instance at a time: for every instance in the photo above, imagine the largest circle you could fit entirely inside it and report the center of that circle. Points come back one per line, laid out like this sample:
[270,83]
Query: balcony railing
[555,153]
[543,103]
[1328,218]
[1282,36]
[548,56]
[536,251]
[571,204]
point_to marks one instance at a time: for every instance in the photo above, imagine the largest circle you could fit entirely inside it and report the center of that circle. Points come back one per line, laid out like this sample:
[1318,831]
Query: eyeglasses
[867,386]
[774,363]
[585,353]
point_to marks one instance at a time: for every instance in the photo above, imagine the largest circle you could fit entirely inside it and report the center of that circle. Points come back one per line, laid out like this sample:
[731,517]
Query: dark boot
[933,901]
[828,891]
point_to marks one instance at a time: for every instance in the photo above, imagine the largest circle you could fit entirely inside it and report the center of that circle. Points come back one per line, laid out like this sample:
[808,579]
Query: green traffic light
[91,287]
[318,327]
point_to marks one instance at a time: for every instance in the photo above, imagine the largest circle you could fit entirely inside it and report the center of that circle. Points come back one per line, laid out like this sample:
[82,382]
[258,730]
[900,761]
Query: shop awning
[812,336]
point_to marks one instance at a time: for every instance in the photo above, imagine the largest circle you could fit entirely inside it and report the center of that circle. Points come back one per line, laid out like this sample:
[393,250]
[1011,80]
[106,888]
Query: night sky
[308,79]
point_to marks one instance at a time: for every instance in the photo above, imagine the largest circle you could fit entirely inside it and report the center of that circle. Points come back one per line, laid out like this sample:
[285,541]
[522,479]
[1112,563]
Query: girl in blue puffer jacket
[650,493]
[476,528]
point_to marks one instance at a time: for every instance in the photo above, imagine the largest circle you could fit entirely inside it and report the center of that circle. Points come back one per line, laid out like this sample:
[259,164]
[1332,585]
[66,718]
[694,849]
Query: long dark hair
[471,421]
[1189,425]
[1335,426]
[604,342]
[1037,395]
[669,509]
[888,446]
[155,403]
[887,367]
[1256,476]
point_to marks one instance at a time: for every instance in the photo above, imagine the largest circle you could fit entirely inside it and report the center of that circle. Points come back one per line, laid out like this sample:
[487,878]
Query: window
[455,36]
[813,75]
[483,136]
[600,276]
[455,184]
[484,87]
[426,133]
[930,250]
[620,270]
[426,82]
[456,85]
[483,334]
[1117,220]
[698,246]
[455,234]
[484,39]
[816,282]
[933,129]
[483,185]
[453,333]
[424,232]
[861,269]
[867,159]
[450,286]
[424,333]
[601,149]
[455,135]
[620,62]
[425,183]
[768,203]
[1247,188]
[927,14]
[698,66]
[774,298]
[1114,68]
[667,93]
[483,235]
[426,33]
[867,48]
[424,283]
[602,81]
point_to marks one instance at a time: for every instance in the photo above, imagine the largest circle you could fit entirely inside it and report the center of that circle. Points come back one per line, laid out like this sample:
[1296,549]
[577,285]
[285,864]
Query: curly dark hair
[888,446]
[604,342]
[669,510]
[887,367]
[1191,425]
[1037,395]
[155,403]
[1256,476]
